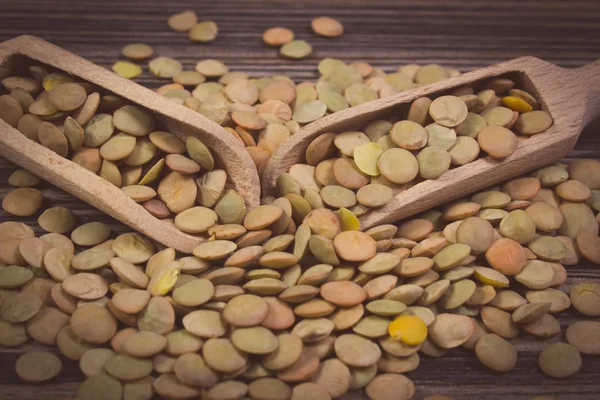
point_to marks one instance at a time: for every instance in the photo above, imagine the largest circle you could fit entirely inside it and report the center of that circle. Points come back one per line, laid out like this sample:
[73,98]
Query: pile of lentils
[290,300]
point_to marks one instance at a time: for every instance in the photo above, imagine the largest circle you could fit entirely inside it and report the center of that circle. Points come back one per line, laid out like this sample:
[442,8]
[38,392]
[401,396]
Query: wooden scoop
[572,97]
[93,189]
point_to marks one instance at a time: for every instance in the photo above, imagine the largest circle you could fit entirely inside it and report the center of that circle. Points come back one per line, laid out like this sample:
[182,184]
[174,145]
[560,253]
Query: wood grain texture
[460,34]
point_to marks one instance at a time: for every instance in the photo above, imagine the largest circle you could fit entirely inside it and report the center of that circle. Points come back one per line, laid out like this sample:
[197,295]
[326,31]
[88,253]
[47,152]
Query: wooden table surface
[456,33]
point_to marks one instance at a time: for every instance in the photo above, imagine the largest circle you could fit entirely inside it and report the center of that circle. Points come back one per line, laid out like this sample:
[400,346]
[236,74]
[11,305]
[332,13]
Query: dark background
[459,34]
